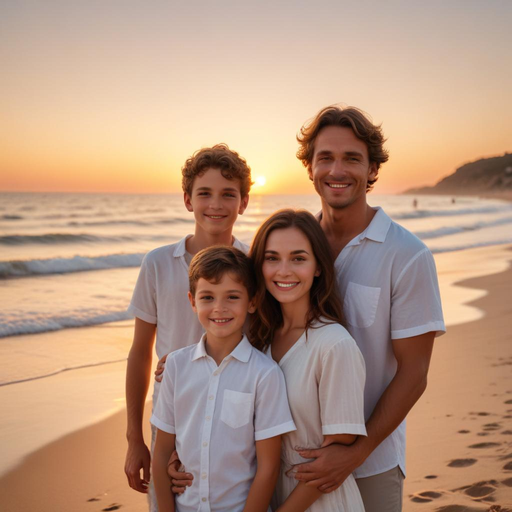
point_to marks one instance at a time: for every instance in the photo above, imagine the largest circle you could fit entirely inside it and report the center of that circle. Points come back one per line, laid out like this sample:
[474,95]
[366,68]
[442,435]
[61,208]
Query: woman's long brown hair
[324,301]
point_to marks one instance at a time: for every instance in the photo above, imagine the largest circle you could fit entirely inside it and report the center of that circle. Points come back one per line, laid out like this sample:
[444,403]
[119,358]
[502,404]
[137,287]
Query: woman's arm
[164,446]
[303,496]
[268,455]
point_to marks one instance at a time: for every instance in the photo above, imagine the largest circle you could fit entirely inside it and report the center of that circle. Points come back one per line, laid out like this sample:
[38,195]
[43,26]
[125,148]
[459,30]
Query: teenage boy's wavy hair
[324,301]
[213,263]
[231,165]
[348,117]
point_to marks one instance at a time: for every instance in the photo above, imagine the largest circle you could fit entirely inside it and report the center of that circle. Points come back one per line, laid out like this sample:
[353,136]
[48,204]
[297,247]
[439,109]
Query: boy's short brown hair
[213,263]
[231,165]
[349,117]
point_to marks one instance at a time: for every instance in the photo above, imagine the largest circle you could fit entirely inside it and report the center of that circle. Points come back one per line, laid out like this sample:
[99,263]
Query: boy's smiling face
[215,201]
[222,307]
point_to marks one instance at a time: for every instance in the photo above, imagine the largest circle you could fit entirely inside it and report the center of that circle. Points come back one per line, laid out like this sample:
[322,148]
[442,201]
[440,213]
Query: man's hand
[137,458]
[332,465]
[160,367]
[180,479]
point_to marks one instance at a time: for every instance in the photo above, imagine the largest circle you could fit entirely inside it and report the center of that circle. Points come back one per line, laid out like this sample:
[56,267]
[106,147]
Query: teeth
[215,216]
[220,320]
[337,185]
[285,285]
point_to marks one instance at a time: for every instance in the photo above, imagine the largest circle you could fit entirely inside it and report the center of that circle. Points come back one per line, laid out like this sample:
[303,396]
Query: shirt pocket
[360,304]
[236,408]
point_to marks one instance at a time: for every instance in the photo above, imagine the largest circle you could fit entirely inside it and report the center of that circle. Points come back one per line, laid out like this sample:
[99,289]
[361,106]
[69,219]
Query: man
[387,280]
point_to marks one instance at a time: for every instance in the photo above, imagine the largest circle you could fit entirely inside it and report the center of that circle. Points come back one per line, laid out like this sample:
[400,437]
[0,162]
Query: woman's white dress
[325,376]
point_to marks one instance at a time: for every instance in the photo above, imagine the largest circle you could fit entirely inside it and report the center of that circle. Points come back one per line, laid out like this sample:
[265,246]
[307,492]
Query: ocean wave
[60,238]
[68,265]
[462,247]
[420,214]
[36,325]
[447,231]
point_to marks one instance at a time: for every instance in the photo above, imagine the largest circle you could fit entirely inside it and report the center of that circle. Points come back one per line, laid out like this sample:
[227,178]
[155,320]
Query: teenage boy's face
[221,307]
[341,168]
[216,202]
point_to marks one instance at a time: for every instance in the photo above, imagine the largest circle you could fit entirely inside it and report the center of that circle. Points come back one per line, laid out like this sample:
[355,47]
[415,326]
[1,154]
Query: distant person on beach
[222,402]
[216,183]
[387,279]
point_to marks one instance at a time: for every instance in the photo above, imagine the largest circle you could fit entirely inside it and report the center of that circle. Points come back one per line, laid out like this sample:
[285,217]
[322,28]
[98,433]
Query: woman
[298,323]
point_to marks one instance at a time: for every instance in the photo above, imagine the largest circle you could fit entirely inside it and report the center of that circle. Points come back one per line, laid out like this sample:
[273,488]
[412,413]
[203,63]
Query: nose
[338,169]
[215,202]
[284,268]
[220,306]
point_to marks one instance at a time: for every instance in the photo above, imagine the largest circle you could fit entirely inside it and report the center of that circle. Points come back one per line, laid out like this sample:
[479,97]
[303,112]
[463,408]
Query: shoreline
[469,376]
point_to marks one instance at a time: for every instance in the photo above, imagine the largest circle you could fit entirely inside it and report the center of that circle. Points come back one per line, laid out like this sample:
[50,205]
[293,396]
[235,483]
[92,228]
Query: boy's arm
[137,384]
[164,446]
[303,496]
[268,455]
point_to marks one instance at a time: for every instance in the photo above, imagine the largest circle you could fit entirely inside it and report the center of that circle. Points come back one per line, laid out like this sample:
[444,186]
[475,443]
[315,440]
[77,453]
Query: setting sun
[260,181]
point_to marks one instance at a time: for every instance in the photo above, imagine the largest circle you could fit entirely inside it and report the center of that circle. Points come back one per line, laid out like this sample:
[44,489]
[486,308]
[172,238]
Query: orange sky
[114,96]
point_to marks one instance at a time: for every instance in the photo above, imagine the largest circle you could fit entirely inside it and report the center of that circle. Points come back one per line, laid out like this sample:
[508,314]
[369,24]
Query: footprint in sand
[425,496]
[507,482]
[482,413]
[482,434]
[93,499]
[507,433]
[461,463]
[484,445]
[508,466]
[430,477]
[114,506]
[508,402]
[457,508]
[481,490]
[463,432]
[492,426]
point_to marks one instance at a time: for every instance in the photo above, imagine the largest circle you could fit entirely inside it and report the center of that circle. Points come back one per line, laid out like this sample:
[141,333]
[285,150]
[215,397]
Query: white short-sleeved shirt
[217,414]
[388,281]
[325,376]
[160,297]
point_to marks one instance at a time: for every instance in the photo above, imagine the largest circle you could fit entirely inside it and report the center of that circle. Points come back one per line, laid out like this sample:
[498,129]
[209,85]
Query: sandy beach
[459,455]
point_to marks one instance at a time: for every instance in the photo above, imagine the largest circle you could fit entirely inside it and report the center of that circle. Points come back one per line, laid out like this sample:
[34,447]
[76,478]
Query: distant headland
[484,177]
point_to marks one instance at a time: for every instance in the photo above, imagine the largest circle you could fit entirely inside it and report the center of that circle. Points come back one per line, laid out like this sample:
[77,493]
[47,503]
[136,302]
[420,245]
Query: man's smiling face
[340,168]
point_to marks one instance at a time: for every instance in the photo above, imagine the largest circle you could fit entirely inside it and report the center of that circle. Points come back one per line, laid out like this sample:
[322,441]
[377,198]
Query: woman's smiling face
[289,267]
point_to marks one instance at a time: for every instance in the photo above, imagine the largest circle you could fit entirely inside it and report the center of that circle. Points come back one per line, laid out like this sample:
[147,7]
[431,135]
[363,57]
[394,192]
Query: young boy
[223,403]
[216,183]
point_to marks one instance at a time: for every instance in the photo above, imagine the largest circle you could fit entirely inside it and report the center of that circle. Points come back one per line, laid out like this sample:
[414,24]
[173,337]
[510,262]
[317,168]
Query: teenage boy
[216,183]
[392,305]
[223,403]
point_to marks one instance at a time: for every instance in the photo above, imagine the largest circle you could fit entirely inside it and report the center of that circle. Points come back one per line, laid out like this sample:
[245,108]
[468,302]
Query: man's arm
[137,384]
[334,463]
[268,455]
[164,446]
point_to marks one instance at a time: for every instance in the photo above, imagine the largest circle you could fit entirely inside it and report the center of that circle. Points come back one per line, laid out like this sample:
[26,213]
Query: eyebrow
[298,251]
[346,153]
[227,189]
[227,291]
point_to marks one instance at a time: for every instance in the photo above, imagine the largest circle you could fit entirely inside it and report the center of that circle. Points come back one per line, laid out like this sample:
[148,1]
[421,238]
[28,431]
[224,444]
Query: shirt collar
[242,351]
[181,248]
[378,228]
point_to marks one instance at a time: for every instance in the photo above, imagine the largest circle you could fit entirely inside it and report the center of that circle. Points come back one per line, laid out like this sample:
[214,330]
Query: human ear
[192,301]
[243,204]
[372,171]
[252,307]
[317,272]
[188,202]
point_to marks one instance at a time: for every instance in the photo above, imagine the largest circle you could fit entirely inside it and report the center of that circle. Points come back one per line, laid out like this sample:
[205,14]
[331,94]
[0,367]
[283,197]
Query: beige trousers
[382,492]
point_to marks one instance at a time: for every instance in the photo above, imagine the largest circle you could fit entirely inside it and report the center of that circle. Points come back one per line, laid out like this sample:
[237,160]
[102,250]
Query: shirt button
[216,372]
[210,397]
[208,418]
[203,476]
[203,499]
[205,444]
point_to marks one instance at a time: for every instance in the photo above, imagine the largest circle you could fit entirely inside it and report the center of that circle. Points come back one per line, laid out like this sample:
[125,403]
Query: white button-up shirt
[387,279]
[217,414]
[160,297]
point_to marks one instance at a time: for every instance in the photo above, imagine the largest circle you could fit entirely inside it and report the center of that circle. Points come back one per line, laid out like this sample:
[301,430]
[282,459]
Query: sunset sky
[114,95]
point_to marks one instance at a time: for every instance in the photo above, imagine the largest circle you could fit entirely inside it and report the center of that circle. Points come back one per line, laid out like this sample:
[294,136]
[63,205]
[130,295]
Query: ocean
[71,260]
